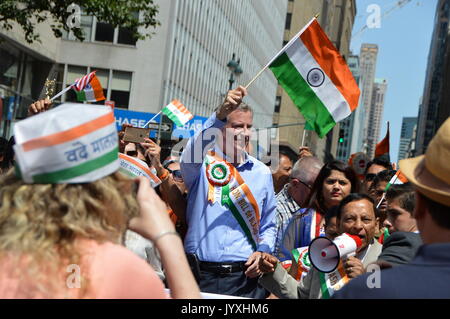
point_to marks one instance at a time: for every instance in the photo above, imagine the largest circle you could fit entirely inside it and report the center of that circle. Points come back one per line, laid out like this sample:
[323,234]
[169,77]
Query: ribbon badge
[218,173]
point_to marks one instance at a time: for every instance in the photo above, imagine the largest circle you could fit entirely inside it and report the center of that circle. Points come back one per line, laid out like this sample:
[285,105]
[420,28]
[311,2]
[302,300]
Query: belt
[222,268]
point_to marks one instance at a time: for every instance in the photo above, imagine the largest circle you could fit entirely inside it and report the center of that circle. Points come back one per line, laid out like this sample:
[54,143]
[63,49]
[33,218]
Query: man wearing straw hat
[231,202]
[427,275]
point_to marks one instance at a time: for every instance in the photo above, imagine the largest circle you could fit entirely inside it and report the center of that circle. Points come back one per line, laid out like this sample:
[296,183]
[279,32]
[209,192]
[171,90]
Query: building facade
[23,71]
[368,63]
[336,17]
[435,106]
[406,135]
[376,115]
[186,59]
[350,127]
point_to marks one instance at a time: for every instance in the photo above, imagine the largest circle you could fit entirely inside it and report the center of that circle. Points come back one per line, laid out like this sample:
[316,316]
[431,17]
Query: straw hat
[430,173]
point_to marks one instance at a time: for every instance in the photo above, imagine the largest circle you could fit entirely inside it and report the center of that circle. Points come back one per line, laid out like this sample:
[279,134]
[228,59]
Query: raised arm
[197,146]
[155,225]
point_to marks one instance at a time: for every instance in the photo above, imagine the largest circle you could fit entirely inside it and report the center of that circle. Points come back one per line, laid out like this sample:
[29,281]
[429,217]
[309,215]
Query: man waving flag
[316,78]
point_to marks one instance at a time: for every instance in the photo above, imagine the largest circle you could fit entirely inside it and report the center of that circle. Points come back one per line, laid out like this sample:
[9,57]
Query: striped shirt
[286,207]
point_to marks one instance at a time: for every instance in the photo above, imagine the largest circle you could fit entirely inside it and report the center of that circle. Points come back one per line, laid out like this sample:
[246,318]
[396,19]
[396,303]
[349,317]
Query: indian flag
[316,77]
[178,113]
[90,89]
[134,167]
[398,178]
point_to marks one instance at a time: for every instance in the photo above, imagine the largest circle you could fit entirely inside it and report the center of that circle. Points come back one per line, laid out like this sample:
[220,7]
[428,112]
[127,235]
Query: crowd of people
[219,221]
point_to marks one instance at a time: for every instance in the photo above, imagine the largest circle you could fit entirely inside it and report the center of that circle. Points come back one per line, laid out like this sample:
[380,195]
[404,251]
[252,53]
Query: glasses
[132,153]
[176,174]
[370,177]
[303,183]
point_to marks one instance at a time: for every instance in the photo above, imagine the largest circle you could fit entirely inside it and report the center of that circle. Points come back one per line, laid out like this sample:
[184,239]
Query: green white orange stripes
[134,167]
[70,134]
[333,281]
[316,78]
[237,196]
[73,143]
[178,113]
[398,178]
[301,257]
[91,92]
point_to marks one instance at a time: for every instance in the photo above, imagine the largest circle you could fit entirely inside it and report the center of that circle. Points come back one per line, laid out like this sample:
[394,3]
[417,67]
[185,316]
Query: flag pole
[265,68]
[303,138]
[152,119]
[61,93]
[256,76]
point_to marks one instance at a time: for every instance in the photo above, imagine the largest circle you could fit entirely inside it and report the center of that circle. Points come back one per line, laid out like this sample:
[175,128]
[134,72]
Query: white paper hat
[72,143]
[134,167]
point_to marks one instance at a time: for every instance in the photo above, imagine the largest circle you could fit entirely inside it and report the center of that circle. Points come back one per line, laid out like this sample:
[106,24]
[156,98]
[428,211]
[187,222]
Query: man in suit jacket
[428,274]
[356,216]
[399,249]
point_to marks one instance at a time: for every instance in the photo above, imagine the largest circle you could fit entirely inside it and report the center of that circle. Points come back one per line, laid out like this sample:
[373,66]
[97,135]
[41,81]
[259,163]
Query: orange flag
[383,147]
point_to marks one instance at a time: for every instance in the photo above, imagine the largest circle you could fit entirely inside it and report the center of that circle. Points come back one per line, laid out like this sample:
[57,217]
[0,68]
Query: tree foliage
[121,13]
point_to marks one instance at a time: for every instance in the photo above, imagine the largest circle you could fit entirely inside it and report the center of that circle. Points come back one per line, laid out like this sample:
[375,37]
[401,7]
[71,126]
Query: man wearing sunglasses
[378,164]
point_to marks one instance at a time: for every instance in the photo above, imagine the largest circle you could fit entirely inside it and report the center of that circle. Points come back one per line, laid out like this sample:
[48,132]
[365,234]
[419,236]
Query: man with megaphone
[334,262]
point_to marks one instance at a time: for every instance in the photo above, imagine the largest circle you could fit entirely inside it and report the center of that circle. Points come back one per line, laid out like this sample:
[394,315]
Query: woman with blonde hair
[64,212]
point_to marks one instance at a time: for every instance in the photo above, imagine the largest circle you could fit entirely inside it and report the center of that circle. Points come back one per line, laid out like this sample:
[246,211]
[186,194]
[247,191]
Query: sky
[403,41]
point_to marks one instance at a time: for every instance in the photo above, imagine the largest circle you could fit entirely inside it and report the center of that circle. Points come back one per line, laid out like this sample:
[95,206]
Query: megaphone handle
[344,258]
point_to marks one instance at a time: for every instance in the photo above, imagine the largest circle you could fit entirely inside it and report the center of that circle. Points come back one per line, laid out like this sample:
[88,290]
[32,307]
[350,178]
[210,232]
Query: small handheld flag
[398,178]
[178,113]
[88,88]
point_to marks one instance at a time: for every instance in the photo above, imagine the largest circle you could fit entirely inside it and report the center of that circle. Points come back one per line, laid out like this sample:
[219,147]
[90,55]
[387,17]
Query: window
[86,26]
[126,34]
[120,88]
[104,32]
[288,21]
[277,104]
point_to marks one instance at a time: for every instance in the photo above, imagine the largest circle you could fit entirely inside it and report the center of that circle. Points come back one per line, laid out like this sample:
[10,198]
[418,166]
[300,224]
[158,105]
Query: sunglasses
[132,153]
[370,177]
[176,174]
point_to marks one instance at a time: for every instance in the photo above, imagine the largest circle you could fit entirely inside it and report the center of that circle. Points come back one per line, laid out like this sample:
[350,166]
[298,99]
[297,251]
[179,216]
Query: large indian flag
[316,78]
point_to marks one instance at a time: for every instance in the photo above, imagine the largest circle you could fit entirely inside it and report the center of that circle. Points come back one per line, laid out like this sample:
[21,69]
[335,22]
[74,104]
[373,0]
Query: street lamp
[235,69]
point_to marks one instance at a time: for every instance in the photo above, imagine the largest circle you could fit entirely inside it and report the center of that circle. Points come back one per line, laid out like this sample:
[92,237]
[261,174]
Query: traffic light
[341,135]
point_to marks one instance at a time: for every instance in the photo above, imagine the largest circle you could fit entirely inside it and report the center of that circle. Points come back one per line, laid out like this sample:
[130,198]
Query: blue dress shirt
[213,233]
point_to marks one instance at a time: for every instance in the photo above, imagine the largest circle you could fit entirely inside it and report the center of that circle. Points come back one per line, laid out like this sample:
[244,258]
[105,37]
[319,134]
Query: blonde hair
[42,222]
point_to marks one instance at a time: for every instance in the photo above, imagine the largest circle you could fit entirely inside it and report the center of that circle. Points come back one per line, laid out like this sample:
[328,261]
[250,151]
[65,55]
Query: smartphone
[136,134]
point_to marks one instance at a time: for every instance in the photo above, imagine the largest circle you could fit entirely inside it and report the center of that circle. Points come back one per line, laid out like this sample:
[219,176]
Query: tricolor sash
[333,281]
[301,257]
[309,228]
[226,186]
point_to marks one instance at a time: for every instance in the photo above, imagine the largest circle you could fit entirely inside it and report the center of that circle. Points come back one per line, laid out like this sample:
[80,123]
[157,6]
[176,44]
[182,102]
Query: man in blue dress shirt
[231,202]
